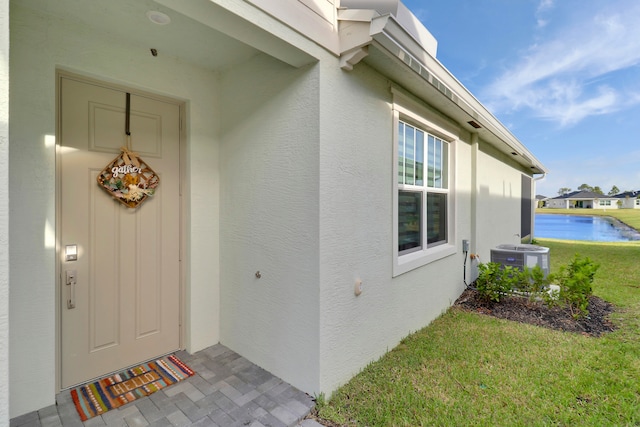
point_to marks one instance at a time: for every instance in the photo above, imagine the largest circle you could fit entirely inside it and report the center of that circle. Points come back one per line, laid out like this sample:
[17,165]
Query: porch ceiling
[126,21]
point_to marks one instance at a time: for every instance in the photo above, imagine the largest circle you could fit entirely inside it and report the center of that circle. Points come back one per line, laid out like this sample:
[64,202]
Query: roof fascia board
[386,32]
[354,29]
[247,24]
[360,15]
[402,14]
[314,19]
[392,36]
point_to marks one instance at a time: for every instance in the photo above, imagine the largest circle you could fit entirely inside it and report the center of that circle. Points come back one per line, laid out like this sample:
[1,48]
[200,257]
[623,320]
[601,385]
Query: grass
[471,369]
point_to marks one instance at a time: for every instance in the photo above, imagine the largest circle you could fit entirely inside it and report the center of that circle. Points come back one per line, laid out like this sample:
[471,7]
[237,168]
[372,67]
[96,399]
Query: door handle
[71,277]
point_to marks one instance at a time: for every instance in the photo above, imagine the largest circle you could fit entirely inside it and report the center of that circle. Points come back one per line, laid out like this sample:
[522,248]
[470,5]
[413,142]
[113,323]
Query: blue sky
[562,75]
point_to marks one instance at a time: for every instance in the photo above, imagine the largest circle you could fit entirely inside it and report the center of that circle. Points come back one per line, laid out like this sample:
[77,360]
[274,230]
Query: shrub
[575,281]
[530,280]
[494,282]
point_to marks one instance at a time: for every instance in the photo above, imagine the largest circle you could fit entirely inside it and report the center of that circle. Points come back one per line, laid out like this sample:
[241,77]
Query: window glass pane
[401,153]
[430,159]
[409,154]
[445,165]
[419,157]
[437,165]
[436,218]
[409,221]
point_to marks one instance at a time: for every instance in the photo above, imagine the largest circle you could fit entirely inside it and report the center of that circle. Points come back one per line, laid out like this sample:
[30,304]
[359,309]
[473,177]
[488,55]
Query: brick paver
[226,391]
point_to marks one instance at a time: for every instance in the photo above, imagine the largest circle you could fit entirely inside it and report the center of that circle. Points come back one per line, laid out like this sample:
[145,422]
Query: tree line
[586,187]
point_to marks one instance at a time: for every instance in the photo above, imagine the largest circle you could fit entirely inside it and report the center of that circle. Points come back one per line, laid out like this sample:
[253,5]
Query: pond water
[581,227]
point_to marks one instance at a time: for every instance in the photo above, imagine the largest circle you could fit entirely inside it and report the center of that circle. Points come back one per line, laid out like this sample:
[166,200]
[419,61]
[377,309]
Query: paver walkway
[226,391]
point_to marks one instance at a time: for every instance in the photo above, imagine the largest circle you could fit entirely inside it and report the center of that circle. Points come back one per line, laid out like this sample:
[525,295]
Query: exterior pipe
[533,209]
[474,205]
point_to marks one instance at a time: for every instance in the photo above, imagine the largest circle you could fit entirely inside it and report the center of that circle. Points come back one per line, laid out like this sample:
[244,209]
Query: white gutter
[362,29]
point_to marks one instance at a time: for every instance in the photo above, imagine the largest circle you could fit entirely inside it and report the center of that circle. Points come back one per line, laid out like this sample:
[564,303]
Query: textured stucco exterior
[39,44]
[4,213]
[269,217]
[355,243]
[288,184]
[627,202]
[498,197]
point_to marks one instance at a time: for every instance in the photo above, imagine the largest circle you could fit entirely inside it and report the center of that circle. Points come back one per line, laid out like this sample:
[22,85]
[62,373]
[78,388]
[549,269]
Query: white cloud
[570,76]
[543,7]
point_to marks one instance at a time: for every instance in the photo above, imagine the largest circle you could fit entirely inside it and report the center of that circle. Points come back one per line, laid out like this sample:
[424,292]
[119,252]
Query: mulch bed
[522,310]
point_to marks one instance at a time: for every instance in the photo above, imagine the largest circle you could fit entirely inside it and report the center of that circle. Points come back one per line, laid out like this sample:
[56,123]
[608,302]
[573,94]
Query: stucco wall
[38,45]
[295,163]
[269,217]
[498,201]
[558,203]
[356,160]
[596,205]
[4,213]
[627,203]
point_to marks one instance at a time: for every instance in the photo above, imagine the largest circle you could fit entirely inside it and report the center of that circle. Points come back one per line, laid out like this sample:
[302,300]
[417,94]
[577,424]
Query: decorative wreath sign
[128,179]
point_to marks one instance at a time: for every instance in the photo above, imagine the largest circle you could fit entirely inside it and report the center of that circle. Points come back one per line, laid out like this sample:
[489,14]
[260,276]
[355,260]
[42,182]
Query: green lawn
[470,369]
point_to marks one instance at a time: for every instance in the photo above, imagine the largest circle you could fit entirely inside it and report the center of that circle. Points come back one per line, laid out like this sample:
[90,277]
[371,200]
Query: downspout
[474,207]
[533,211]
[538,178]
[474,191]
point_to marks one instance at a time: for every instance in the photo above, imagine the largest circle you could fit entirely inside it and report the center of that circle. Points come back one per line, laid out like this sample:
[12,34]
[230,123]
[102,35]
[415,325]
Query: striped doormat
[113,391]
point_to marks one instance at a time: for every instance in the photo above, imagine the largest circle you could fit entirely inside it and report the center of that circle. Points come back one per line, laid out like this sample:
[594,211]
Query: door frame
[183,221]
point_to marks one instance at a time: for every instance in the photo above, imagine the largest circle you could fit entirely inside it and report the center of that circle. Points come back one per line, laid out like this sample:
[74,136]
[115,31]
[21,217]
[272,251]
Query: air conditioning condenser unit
[521,256]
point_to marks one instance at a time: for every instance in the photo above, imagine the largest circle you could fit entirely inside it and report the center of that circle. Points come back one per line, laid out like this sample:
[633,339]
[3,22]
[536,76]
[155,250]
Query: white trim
[60,74]
[421,117]
[248,24]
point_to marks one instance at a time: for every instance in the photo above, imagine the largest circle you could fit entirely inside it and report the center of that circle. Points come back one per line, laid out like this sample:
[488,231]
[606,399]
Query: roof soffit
[387,46]
[402,14]
[260,33]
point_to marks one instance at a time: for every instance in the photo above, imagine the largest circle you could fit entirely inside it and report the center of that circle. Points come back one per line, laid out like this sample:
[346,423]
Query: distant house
[322,178]
[541,201]
[583,200]
[629,199]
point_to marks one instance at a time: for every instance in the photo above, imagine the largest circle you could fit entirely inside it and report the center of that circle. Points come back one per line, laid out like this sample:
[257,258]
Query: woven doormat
[113,391]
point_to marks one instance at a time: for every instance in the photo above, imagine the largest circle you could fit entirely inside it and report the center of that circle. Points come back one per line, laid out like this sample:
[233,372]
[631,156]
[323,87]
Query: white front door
[120,300]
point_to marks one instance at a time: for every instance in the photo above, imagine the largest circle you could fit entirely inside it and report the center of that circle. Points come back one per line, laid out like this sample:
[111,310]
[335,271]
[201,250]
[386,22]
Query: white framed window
[424,197]
[605,202]
[637,202]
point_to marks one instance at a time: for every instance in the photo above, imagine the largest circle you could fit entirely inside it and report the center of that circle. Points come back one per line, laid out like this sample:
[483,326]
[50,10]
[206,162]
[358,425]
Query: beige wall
[498,201]
[4,213]
[289,174]
[39,44]
[356,199]
[269,217]
[628,203]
